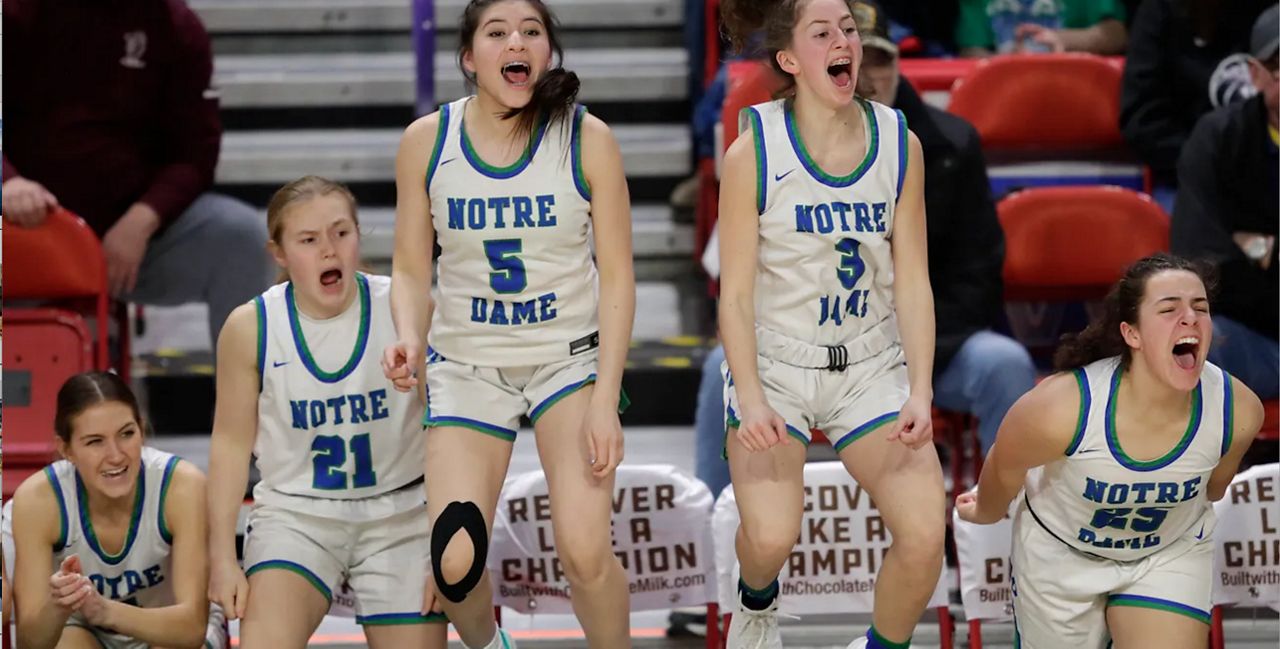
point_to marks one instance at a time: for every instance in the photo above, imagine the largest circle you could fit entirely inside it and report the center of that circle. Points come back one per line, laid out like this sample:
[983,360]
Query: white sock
[496,642]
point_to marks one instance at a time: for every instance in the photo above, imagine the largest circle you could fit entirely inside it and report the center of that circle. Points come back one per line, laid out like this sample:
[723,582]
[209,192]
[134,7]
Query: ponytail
[553,99]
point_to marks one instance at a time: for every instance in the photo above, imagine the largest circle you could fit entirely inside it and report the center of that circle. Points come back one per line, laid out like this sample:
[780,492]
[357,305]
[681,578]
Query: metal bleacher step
[387,78]
[368,155]
[249,16]
[654,233]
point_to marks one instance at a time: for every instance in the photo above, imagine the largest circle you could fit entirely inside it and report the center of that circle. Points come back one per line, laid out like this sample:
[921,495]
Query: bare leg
[581,510]
[466,466]
[907,488]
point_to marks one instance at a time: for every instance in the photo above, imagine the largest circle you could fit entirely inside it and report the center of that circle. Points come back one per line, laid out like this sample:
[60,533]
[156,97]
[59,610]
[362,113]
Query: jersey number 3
[508,274]
[851,266]
[331,455]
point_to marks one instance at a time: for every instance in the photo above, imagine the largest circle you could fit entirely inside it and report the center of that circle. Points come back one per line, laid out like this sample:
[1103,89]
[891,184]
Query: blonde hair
[302,189]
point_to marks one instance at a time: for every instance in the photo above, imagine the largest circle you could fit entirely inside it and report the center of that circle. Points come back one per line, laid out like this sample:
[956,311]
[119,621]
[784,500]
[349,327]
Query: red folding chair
[1072,243]
[58,265]
[1270,430]
[1041,102]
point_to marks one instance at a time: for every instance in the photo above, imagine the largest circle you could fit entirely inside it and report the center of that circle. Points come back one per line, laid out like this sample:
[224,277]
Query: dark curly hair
[1102,338]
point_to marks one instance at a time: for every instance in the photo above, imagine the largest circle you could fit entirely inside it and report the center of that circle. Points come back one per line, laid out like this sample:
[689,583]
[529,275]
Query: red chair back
[1073,243]
[1063,102]
[750,83]
[60,258]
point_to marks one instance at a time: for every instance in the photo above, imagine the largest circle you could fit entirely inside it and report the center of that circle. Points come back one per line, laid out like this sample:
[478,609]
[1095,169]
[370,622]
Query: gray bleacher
[284,66]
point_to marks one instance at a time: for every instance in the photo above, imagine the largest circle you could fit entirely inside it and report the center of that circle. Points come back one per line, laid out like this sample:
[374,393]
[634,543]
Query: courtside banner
[834,565]
[660,534]
[1246,554]
[983,551]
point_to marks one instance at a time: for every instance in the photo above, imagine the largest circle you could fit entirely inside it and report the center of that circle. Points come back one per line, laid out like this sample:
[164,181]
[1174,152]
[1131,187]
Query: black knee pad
[456,517]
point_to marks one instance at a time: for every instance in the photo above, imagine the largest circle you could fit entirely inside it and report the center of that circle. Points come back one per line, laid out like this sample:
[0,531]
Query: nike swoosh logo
[446,162]
[1200,534]
[778,177]
[279,363]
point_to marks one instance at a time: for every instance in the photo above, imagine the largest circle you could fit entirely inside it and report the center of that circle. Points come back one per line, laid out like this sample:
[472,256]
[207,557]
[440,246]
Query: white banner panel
[660,533]
[984,551]
[834,565]
[1246,556]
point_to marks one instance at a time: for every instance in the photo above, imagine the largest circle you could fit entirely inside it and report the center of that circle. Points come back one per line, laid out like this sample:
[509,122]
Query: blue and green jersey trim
[169,468]
[1113,441]
[579,176]
[442,133]
[862,431]
[902,153]
[1228,413]
[756,124]
[56,484]
[300,340]
[1082,413]
[296,568]
[86,523]
[811,166]
[1157,604]
[260,310]
[495,172]
[391,619]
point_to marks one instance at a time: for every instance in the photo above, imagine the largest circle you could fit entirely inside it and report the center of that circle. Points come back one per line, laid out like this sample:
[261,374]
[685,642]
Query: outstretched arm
[1039,428]
[611,223]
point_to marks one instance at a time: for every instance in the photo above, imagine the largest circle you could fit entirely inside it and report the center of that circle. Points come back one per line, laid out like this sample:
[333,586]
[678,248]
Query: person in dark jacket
[975,370]
[1176,48]
[112,115]
[1227,211]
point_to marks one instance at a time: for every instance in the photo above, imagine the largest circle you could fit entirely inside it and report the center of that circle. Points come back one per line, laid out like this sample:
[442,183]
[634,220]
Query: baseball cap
[873,26]
[1265,39]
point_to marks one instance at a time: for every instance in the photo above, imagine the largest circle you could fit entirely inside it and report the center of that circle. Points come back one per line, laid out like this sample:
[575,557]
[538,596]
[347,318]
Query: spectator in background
[988,27]
[976,370]
[1226,212]
[1174,49]
[112,116]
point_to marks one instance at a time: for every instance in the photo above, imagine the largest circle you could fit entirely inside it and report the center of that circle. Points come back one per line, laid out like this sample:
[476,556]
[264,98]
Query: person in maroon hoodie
[111,114]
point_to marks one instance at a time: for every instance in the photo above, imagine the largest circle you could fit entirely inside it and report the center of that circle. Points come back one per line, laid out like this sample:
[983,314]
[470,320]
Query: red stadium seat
[1270,421]
[1062,102]
[1073,243]
[59,262]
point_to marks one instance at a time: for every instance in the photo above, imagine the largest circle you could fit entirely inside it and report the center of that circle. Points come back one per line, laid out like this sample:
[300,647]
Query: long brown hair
[556,90]
[88,389]
[304,188]
[743,19]
[1102,338]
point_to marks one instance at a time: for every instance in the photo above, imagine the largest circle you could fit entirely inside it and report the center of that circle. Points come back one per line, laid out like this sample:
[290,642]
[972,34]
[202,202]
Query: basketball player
[341,495]
[512,182]
[121,529]
[1120,455]
[826,314]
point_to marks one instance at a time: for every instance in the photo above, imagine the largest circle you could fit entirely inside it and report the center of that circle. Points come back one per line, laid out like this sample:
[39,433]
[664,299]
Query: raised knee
[1007,355]
[770,543]
[922,543]
[584,562]
[456,562]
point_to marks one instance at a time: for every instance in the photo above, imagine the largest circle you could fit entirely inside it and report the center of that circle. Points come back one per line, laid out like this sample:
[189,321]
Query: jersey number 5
[508,274]
[331,455]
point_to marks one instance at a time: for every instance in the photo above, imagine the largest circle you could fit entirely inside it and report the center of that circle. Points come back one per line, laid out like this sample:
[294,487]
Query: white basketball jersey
[825,271]
[1101,501]
[140,574]
[330,424]
[517,284]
